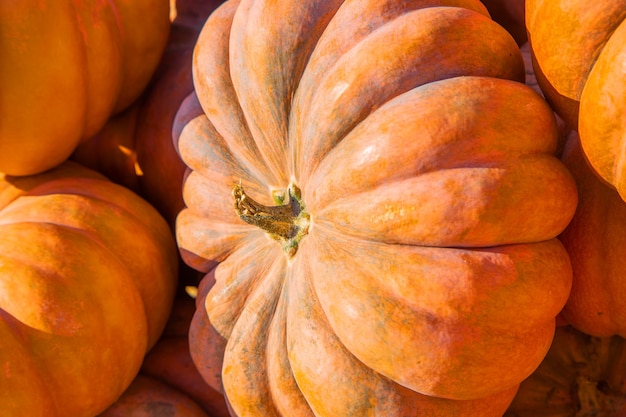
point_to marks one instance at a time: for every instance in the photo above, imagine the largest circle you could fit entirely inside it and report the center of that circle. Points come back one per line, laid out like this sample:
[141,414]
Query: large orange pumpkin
[581,376]
[374,192]
[87,280]
[66,66]
[579,50]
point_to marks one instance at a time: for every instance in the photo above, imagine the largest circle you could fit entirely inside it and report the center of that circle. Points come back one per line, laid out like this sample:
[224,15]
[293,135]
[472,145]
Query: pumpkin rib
[216,94]
[352,88]
[286,32]
[349,27]
[386,298]
[325,370]
[286,396]
[246,377]
[471,206]
[326,382]
[192,228]
[235,282]
[344,32]
[96,189]
[418,119]
[89,30]
[215,159]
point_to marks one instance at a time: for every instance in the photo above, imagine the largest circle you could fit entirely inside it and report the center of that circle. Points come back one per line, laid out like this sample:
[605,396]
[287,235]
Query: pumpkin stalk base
[287,223]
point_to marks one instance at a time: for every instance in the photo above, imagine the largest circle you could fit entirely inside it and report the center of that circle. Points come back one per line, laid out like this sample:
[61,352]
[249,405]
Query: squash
[149,397]
[595,239]
[66,66]
[374,198]
[579,48]
[581,376]
[88,273]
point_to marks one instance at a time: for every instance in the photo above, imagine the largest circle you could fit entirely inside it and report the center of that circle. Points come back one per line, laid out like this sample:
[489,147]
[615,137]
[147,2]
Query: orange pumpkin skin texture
[149,397]
[595,239]
[66,66]
[578,49]
[581,376]
[88,272]
[421,255]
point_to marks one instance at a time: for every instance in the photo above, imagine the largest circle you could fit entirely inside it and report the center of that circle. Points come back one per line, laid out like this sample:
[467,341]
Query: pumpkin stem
[287,223]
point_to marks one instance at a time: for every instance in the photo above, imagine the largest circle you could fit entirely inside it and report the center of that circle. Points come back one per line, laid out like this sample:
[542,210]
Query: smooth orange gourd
[88,273]
[579,50]
[374,198]
[66,66]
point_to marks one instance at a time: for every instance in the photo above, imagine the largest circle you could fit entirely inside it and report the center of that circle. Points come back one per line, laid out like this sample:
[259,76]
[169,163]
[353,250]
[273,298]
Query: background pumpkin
[431,243]
[66,66]
[578,49]
[87,280]
[595,240]
[509,14]
[150,397]
[170,361]
[581,376]
[135,147]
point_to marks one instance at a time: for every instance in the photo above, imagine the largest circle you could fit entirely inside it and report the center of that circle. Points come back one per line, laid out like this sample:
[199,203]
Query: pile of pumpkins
[331,208]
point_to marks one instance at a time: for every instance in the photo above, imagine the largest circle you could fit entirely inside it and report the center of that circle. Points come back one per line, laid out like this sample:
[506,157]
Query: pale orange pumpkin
[66,66]
[88,273]
[374,197]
